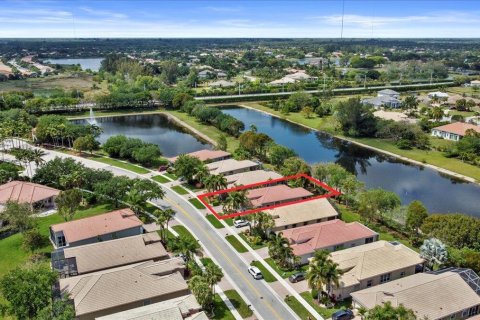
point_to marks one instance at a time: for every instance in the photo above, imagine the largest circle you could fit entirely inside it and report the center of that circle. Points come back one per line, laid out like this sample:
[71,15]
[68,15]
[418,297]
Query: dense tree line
[132,149]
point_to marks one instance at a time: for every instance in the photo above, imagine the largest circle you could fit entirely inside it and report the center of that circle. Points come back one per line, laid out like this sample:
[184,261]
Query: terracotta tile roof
[281,192]
[106,223]
[114,253]
[25,192]
[225,166]
[307,239]
[458,128]
[206,154]
[120,286]
[433,296]
[302,212]
[373,259]
[250,177]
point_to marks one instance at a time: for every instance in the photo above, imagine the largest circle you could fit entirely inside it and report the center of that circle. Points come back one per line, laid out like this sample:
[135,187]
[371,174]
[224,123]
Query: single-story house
[232,166]
[388,93]
[207,155]
[221,74]
[72,261]
[204,74]
[330,235]
[372,264]
[250,177]
[182,308]
[282,81]
[383,101]
[111,291]
[222,84]
[433,296]
[36,195]
[454,131]
[438,94]
[108,226]
[475,83]
[277,194]
[298,75]
[302,214]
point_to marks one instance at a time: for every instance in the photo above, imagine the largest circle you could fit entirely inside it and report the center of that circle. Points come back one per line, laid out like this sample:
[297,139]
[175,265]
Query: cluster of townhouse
[109,265]
[373,271]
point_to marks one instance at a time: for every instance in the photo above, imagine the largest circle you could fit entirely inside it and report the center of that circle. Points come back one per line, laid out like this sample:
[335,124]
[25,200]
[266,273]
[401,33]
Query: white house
[438,94]
[454,131]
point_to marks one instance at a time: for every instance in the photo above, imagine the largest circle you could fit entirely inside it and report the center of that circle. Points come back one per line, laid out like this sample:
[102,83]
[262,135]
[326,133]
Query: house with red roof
[277,194]
[330,235]
[454,131]
[207,156]
[36,195]
[108,226]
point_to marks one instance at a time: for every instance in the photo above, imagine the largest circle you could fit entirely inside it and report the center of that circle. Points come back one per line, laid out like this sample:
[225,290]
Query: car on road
[296,277]
[240,223]
[255,272]
[343,315]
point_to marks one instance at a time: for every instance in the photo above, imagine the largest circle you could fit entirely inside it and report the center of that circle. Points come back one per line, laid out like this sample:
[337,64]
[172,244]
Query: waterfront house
[454,131]
[207,155]
[251,177]
[36,195]
[108,226]
[277,194]
[232,166]
[388,93]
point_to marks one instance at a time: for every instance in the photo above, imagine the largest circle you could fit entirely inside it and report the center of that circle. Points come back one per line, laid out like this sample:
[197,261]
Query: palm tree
[201,290]
[323,272]
[208,182]
[437,113]
[168,214]
[135,200]
[161,221]
[202,174]
[275,244]
[315,279]
[38,155]
[219,182]
[236,200]
[410,102]
[188,246]
[213,275]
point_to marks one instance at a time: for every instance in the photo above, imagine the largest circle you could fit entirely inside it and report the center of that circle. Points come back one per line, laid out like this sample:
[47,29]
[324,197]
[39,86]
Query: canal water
[153,128]
[440,193]
[85,63]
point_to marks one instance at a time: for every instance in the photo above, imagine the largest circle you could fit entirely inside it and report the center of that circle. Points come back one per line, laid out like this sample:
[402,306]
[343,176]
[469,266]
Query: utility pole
[365,81]
[239,89]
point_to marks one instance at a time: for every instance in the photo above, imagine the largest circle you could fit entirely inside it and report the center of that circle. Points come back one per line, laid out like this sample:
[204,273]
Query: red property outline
[332,193]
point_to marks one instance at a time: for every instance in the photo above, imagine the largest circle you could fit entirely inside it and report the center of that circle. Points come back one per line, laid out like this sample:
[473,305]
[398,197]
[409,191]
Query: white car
[240,223]
[255,272]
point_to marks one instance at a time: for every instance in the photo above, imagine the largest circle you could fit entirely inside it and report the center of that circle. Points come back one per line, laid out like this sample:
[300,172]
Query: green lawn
[239,303]
[253,246]
[214,221]
[229,221]
[236,244]
[220,310]
[298,308]
[182,231]
[180,190]
[171,176]
[11,249]
[325,312]
[196,203]
[161,179]
[284,273]
[266,274]
[121,164]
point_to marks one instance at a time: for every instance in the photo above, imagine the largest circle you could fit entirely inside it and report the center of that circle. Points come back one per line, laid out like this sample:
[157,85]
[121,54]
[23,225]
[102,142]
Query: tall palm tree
[323,272]
[208,182]
[213,275]
[135,200]
[161,221]
[410,102]
[275,244]
[201,290]
[188,246]
[235,201]
[202,174]
[437,113]
[219,182]
[168,214]
[315,279]
[38,155]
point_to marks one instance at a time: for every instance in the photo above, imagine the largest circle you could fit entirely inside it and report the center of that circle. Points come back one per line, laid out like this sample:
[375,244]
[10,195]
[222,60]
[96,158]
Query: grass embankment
[182,231]
[120,164]
[209,131]
[239,303]
[220,310]
[236,244]
[325,312]
[11,250]
[214,221]
[327,124]
[267,276]
[284,273]
[298,308]
[161,179]
[252,245]
[180,190]
[171,176]
[196,203]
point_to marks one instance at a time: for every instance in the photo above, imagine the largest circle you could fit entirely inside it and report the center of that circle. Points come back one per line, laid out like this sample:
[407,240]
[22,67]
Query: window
[369,240]
[402,274]
[369,283]
[147,302]
[385,278]
[61,241]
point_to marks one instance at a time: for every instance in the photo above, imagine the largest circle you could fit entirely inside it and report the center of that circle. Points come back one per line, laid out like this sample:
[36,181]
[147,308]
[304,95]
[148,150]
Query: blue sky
[314,19]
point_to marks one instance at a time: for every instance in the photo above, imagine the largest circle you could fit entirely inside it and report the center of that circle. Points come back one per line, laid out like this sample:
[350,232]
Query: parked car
[162,168]
[255,272]
[240,223]
[296,277]
[343,315]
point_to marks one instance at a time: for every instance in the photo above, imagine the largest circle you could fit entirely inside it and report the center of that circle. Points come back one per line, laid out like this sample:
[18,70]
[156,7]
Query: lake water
[439,193]
[153,128]
[85,63]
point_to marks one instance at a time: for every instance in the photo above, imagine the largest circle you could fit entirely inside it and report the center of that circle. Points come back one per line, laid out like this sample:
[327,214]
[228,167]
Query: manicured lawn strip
[229,221]
[220,310]
[179,190]
[284,274]
[196,203]
[239,303]
[236,244]
[182,231]
[11,251]
[121,164]
[161,179]
[191,187]
[266,274]
[298,308]
[325,312]
[214,221]
[253,246]
[171,176]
